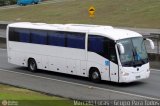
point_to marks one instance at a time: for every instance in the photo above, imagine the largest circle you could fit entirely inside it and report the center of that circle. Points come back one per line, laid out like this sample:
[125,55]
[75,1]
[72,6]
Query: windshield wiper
[129,63]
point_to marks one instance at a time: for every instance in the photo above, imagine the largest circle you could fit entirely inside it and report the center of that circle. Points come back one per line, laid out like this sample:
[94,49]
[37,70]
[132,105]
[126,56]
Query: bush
[7,2]
[13,1]
[2,2]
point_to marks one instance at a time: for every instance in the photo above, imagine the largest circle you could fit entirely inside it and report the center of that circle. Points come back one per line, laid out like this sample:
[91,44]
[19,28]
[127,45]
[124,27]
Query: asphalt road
[2,33]
[77,87]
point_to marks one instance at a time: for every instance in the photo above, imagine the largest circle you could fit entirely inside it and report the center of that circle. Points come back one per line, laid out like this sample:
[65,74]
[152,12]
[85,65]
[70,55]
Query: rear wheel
[94,75]
[32,66]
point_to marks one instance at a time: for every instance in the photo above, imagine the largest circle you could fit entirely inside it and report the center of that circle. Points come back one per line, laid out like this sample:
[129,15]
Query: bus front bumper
[134,77]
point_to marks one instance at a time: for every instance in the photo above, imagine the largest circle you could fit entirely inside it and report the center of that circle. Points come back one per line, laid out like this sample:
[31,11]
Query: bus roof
[107,31]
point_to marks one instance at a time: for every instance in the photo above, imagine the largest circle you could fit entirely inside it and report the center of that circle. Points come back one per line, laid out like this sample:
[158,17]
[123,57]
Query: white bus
[94,51]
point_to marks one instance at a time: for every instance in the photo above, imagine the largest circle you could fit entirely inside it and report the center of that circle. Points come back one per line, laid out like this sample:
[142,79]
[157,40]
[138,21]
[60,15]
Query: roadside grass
[128,13]
[26,97]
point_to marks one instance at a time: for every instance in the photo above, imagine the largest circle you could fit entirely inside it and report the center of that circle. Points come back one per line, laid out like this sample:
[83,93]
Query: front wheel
[32,66]
[95,75]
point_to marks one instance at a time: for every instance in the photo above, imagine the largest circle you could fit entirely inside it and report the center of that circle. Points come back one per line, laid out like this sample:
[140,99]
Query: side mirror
[151,43]
[121,48]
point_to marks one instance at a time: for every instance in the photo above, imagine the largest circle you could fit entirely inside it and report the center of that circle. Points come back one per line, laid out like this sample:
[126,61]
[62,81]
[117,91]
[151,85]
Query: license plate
[137,77]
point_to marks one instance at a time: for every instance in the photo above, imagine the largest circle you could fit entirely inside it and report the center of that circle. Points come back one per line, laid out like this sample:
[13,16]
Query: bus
[27,2]
[95,51]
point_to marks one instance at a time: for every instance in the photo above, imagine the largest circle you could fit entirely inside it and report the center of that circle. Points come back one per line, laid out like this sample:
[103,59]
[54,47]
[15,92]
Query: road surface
[77,87]
[2,33]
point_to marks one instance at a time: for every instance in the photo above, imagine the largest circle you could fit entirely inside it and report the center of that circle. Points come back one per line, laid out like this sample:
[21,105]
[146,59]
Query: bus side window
[98,44]
[102,46]
[56,38]
[75,40]
[24,35]
[13,35]
[95,44]
[38,37]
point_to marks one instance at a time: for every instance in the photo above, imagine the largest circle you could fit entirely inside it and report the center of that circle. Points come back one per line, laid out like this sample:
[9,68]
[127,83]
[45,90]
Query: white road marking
[84,85]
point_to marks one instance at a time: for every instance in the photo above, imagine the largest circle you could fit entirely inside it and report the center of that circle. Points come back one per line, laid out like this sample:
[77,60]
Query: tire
[95,75]
[32,65]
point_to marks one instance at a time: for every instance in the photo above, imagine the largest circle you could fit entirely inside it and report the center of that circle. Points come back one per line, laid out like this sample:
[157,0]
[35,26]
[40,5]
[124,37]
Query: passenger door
[114,72]
[114,69]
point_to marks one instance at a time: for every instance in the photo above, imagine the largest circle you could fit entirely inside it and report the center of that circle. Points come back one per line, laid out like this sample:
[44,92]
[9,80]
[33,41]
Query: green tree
[7,2]
[2,2]
[13,1]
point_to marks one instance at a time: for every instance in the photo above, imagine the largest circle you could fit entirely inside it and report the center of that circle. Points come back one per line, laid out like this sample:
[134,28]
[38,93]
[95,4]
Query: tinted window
[96,44]
[13,36]
[38,37]
[56,38]
[75,40]
[24,35]
[102,46]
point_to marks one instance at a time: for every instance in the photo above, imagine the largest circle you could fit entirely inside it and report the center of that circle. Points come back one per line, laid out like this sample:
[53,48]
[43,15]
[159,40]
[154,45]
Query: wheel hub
[95,75]
[32,65]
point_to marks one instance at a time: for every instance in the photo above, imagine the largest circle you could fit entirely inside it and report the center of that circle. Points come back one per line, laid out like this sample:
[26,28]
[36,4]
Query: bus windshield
[135,52]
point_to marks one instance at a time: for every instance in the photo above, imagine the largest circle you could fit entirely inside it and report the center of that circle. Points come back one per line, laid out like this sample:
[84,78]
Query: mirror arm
[151,43]
[120,47]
